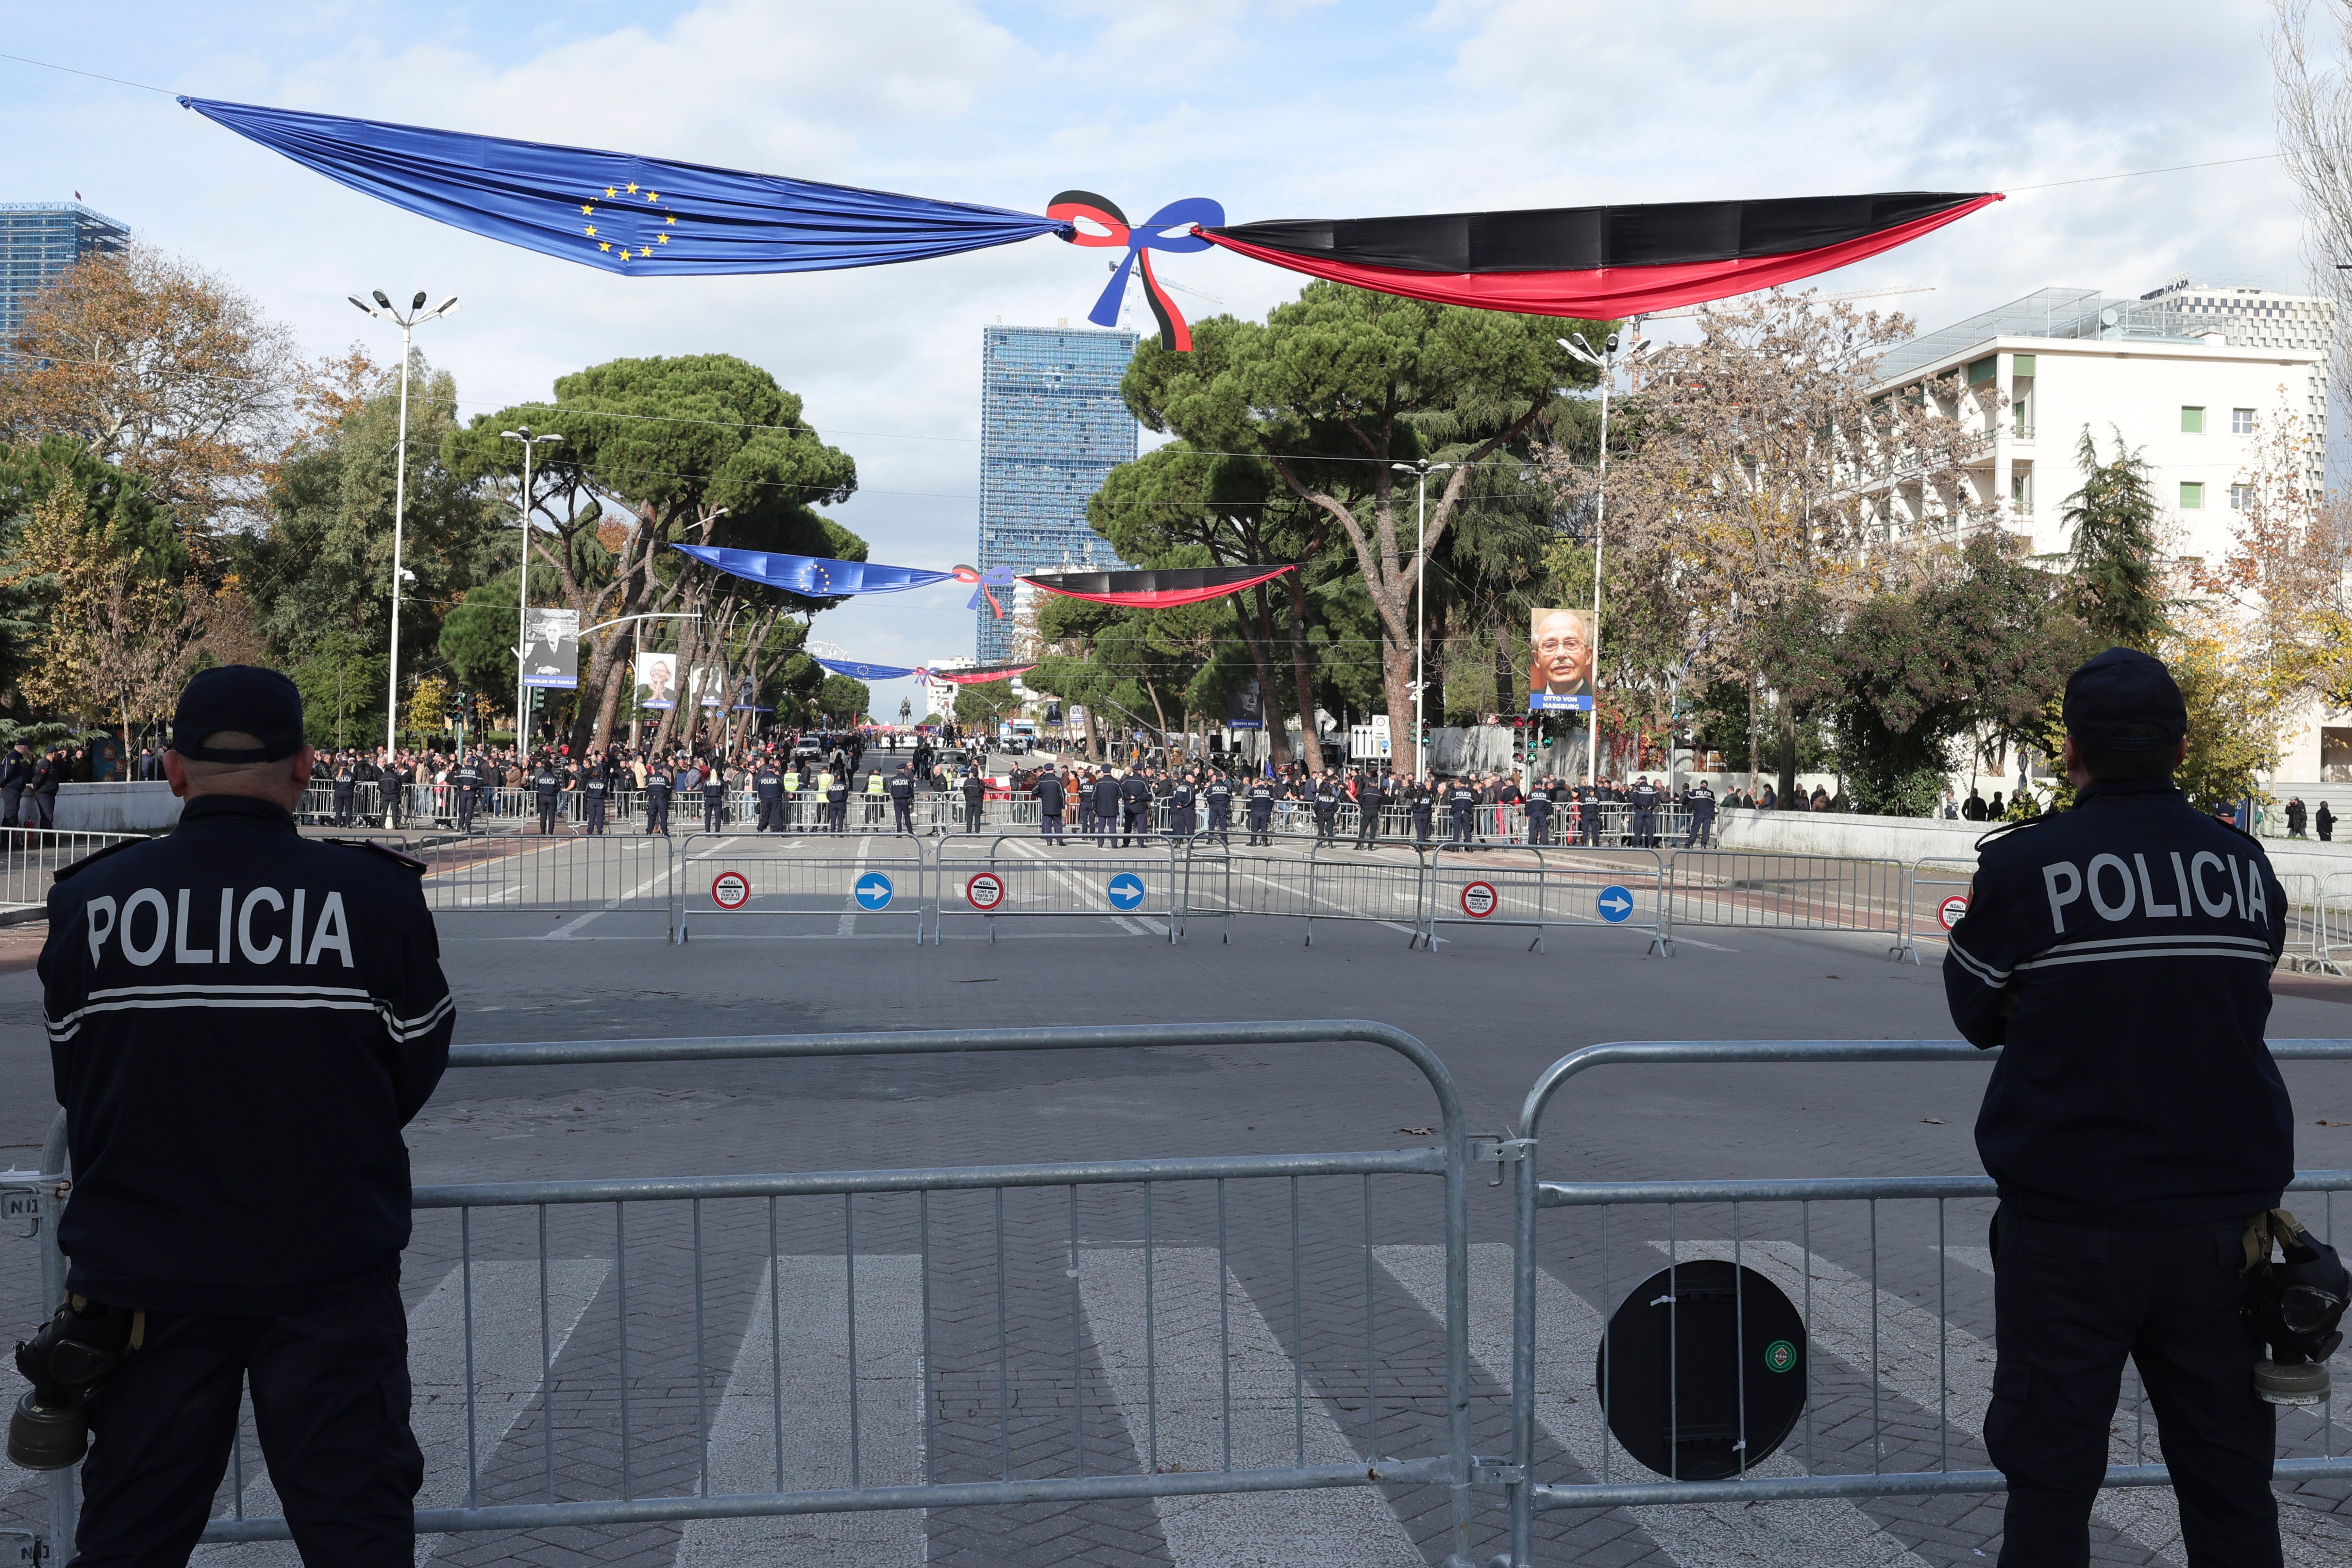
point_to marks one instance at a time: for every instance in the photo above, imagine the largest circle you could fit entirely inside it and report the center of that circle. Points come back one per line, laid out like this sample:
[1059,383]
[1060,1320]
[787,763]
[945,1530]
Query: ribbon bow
[995,576]
[1191,212]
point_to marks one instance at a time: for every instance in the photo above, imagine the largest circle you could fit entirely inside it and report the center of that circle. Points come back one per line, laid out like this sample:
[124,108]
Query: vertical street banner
[551,649]
[1245,709]
[1560,674]
[657,675]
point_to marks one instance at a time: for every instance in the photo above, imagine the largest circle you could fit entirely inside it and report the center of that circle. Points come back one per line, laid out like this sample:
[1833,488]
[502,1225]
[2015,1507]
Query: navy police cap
[2124,701]
[260,702]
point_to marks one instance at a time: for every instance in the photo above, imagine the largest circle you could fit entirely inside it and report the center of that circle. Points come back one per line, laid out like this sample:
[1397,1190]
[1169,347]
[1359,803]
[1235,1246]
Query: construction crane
[1830,299]
[1168,282]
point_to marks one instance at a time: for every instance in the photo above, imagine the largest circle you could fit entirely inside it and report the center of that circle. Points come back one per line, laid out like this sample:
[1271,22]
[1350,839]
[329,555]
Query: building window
[2192,421]
[2240,496]
[2241,421]
[2020,490]
[2192,496]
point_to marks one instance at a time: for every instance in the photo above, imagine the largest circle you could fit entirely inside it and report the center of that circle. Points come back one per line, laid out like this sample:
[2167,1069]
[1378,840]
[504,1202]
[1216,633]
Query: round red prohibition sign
[1951,911]
[985,891]
[731,889]
[1478,899]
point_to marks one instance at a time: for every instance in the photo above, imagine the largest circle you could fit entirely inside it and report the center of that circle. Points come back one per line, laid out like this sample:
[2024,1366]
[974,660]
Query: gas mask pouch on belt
[71,1357]
[2292,1306]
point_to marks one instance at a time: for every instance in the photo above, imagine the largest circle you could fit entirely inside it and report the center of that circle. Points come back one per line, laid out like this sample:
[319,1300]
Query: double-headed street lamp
[416,317]
[530,445]
[1607,362]
[1421,470]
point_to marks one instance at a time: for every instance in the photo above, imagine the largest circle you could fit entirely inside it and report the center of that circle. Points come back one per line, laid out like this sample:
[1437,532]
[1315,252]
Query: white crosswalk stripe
[1908,1357]
[812,1421]
[1334,1528]
[1829,1533]
[507,1380]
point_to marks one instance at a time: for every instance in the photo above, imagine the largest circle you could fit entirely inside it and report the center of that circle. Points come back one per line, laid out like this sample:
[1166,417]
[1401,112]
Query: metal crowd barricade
[2306,921]
[1934,878]
[1035,879]
[1539,887]
[561,872]
[920,1265]
[1854,1326]
[1788,893]
[30,858]
[2335,923]
[1344,884]
[858,876]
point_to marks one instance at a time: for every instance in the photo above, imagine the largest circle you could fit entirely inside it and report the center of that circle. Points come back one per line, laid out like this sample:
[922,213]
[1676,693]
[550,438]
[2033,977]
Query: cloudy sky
[1286,109]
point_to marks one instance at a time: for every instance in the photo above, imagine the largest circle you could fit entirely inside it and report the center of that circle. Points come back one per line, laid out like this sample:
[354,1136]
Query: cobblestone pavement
[639,1352]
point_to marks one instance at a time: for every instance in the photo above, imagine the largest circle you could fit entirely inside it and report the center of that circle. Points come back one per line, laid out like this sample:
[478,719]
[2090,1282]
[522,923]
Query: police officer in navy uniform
[2120,953]
[900,788]
[975,795]
[547,783]
[1135,805]
[347,783]
[1051,801]
[1701,801]
[1182,820]
[836,801]
[1261,811]
[595,789]
[768,789]
[1645,798]
[1540,816]
[1106,805]
[657,793]
[1461,805]
[241,1020]
[466,784]
[1219,793]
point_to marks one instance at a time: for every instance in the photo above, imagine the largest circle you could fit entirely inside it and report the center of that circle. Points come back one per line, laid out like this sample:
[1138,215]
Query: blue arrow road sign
[1616,905]
[873,891]
[1126,890]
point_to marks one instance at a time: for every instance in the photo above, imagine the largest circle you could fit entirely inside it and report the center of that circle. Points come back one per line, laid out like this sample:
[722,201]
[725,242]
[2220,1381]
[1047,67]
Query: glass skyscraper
[1051,427]
[38,241]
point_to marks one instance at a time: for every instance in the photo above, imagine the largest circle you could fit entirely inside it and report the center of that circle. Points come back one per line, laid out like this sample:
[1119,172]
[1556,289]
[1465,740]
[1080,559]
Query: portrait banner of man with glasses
[1559,676]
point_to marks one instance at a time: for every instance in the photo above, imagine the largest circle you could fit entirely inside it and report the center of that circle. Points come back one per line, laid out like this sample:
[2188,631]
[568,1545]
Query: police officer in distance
[1261,811]
[1539,818]
[768,789]
[1106,806]
[596,790]
[975,796]
[1135,803]
[900,787]
[836,800]
[1219,793]
[347,783]
[1051,802]
[1461,805]
[1701,801]
[1645,798]
[2120,953]
[658,793]
[241,1021]
[714,798]
[547,783]
[466,784]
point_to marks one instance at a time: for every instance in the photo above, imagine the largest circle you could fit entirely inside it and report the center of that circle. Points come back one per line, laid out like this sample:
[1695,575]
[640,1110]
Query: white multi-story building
[942,694]
[2190,377]
[2195,377]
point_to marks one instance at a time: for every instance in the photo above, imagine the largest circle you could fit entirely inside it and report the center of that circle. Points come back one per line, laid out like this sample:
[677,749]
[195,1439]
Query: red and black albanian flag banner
[1598,263]
[1156,590]
[980,676]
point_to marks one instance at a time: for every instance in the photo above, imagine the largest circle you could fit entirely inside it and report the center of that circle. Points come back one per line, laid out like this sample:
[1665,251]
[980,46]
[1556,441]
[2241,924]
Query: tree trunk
[1268,693]
[1755,758]
[1788,786]
[1094,735]
[1301,676]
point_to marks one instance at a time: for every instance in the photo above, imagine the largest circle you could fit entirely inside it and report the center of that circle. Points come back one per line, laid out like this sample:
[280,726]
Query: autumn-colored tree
[161,370]
[1773,476]
[113,642]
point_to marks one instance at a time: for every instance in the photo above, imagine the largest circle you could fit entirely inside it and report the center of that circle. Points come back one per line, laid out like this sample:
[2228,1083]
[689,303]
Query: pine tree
[2116,578]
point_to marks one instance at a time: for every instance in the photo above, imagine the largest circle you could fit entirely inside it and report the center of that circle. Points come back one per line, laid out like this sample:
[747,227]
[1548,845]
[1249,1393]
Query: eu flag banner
[620,211]
[814,576]
[856,671]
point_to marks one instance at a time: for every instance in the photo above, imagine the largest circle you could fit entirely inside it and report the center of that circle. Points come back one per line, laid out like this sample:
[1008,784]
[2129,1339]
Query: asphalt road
[1261,1311]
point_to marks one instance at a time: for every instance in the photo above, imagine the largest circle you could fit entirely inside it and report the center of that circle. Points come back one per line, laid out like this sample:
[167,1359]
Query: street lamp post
[1421,472]
[1607,362]
[530,445]
[416,317]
